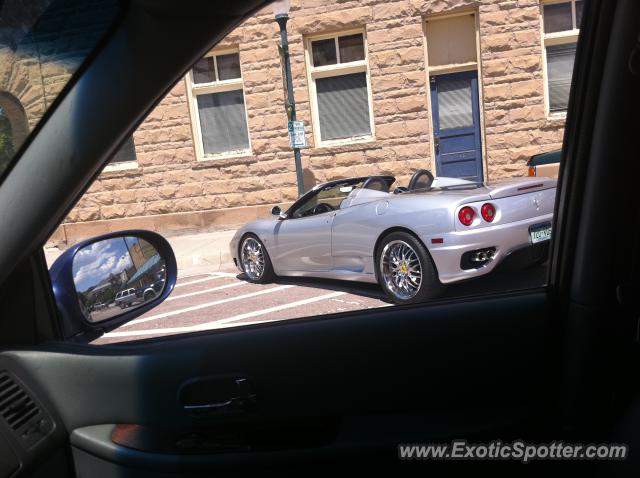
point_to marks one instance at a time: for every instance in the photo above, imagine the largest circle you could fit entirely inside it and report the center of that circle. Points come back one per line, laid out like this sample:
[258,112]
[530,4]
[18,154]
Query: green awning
[144,268]
[545,158]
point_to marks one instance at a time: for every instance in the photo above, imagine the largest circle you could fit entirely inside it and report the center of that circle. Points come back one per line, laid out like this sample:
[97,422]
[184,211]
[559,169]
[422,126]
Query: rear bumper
[506,238]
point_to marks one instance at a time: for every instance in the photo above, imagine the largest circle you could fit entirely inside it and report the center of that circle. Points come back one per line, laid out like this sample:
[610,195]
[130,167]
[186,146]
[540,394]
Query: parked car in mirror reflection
[106,281]
[411,240]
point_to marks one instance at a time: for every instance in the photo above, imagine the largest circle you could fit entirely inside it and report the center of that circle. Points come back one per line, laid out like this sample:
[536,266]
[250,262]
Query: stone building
[468,88]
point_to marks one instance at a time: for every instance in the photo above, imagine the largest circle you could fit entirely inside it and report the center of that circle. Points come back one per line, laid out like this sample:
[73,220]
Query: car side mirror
[104,282]
[276,211]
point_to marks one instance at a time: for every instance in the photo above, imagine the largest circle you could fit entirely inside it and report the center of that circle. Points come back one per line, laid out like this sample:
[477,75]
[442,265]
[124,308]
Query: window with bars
[218,106]
[340,88]
[561,26]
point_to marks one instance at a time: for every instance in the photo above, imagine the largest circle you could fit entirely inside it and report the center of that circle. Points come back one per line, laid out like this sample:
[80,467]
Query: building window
[339,80]
[561,26]
[126,153]
[124,158]
[218,109]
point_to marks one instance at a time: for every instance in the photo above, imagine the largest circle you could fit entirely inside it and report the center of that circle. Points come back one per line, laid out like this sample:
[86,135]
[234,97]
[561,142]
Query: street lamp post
[281,12]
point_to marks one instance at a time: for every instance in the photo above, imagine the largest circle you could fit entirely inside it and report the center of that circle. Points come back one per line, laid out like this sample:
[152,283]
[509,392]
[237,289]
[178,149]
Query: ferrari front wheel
[405,269]
[255,260]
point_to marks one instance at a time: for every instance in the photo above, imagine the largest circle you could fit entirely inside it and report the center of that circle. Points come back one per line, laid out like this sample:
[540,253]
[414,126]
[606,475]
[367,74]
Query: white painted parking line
[277,308]
[206,291]
[222,323]
[226,274]
[197,281]
[206,305]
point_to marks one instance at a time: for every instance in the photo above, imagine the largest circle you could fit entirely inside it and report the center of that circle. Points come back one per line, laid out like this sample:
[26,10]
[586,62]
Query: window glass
[560,37]
[223,122]
[454,104]
[204,71]
[126,153]
[343,106]
[559,70]
[579,6]
[331,196]
[42,44]
[228,66]
[557,17]
[351,48]
[324,52]
[461,158]
[218,96]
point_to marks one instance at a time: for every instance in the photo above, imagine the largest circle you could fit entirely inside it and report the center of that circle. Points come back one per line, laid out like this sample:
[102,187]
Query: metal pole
[291,104]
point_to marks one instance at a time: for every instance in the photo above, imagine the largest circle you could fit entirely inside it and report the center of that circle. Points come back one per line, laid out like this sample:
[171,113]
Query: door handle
[436,144]
[210,406]
[193,396]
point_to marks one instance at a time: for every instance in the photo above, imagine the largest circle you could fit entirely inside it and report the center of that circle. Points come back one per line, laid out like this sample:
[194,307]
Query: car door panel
[347,371]
[353,235]
[303,244]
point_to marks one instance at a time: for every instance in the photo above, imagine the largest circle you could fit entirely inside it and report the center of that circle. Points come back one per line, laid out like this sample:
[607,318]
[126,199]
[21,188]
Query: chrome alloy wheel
[401,269]
[252,257]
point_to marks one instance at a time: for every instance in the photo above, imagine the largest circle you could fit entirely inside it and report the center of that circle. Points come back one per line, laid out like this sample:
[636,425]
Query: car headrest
[377,183]
[421,179]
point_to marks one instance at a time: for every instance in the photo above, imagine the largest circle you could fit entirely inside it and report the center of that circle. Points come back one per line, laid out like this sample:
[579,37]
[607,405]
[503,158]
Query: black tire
[429,286]
[267,275]
[148,296]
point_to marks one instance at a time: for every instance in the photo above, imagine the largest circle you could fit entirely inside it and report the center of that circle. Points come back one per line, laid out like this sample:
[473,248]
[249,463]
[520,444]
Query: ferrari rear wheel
[255,260]
[405,269]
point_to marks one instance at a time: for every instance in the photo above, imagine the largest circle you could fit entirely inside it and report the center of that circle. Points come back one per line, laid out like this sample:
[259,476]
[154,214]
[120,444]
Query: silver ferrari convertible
[411,240]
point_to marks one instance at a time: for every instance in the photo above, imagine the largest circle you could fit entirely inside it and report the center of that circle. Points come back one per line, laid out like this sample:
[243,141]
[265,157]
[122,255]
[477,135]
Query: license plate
[540,233]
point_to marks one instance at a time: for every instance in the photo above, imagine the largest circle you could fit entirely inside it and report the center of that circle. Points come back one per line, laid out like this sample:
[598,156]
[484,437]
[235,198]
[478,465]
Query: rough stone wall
[515,123]
[169,178]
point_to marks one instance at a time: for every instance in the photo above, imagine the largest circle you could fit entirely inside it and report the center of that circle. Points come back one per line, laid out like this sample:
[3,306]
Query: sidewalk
[205,252]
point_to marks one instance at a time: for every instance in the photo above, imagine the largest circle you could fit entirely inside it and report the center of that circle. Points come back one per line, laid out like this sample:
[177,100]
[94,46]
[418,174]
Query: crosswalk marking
[197,281]
[223,323]
[205,291]
[206,305]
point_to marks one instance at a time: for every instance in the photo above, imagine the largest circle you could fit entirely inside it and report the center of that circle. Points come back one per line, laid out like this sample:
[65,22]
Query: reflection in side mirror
[116,274]
[107,281]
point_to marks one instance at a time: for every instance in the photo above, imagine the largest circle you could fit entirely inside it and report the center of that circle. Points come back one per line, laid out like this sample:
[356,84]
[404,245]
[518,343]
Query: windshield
[42,44]
[329,196]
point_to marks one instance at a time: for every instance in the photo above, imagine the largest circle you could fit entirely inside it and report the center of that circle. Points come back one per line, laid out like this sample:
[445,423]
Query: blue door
[456,125]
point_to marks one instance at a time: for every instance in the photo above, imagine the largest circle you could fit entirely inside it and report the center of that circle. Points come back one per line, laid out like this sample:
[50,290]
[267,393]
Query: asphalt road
[215,300]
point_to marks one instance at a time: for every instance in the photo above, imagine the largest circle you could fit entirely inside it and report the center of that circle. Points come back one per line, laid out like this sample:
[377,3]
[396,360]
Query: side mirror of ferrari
[276,211]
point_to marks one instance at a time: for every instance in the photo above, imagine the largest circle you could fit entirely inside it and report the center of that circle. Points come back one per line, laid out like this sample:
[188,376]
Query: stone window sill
[343,145]
[557,117]
[217,161]
[121,166]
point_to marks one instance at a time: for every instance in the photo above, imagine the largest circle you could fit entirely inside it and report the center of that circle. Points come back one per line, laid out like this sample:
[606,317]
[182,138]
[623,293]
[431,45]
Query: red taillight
[488,212]
[465,215]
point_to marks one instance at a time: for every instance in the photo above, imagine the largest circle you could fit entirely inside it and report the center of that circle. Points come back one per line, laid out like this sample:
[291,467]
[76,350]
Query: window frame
[564,37]
[338,69]
[217,86]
